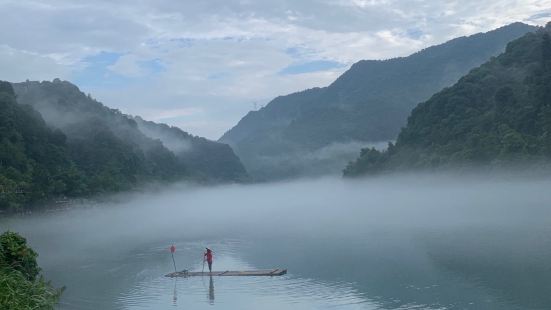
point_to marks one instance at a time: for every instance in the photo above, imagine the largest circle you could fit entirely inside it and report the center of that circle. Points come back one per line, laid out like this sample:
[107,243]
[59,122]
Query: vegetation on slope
[209,160]
[57,142]
[38,163]
[34,161]
[151,151]
[498,114]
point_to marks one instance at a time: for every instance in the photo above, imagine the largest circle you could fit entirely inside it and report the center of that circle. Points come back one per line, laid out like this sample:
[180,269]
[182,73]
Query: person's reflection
[211,291]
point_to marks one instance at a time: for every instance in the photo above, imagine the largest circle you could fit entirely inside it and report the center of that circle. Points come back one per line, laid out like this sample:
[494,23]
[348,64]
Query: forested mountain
[498,114]
[203,158]
[370,102]
[34,159]
[56,141]
[157,149]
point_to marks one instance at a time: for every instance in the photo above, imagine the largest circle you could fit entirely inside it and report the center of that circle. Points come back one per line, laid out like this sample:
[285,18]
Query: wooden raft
[228,273]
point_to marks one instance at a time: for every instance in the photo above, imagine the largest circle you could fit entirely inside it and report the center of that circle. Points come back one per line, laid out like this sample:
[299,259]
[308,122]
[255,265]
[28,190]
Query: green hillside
[204,159]
[34,159]
[57,142]
[82,119]
[498,114]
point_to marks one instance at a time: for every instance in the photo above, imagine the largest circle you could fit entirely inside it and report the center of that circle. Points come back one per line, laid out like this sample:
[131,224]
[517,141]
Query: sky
[202,65]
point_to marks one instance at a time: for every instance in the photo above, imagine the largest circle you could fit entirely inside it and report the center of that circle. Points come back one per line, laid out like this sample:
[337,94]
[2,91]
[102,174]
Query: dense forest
[370,102]
[498,114]
[58,142]
[34,159]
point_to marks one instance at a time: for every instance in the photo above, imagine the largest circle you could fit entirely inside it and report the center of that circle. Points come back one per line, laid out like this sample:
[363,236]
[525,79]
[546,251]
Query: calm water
[419,242]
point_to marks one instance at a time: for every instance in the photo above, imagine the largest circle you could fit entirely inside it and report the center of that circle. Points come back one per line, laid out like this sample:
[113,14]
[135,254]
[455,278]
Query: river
[401,242]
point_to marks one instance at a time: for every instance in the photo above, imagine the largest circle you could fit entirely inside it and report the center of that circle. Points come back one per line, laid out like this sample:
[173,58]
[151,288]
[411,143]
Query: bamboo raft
[228,273]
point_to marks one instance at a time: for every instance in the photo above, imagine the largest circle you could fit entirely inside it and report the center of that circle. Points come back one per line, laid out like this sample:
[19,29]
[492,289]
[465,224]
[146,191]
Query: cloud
[312,66]
[128,65]
[134,66]
[20,65]
[174,113]
[215,58]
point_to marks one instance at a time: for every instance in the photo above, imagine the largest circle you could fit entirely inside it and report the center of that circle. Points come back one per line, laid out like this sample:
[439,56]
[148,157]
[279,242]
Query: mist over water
[396,242]
[324,161]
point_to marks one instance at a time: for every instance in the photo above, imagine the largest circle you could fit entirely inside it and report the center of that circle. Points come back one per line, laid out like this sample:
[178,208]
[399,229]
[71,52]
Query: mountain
[368,103]
[56,141]
[88,124]
[498,114]
[203,158]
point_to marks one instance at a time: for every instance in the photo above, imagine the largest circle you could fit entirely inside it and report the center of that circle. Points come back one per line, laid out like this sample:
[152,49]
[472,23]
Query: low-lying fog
[397,242]
[286,165]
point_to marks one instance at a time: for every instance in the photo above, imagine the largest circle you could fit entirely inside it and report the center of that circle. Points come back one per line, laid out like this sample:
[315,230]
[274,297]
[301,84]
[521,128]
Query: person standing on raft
[208,257]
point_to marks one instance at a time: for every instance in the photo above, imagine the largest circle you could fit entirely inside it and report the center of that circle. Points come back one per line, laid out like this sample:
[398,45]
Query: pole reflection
[175,294]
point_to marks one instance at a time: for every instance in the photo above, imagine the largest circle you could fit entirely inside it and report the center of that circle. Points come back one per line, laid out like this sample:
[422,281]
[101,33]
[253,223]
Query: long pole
[173,261]
[203,271]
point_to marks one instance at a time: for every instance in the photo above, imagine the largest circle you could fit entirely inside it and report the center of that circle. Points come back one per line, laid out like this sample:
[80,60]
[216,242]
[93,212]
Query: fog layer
[329,160]
[482,237]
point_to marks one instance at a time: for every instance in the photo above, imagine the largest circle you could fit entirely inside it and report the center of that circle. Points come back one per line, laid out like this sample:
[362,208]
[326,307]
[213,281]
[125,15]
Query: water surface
[410,242]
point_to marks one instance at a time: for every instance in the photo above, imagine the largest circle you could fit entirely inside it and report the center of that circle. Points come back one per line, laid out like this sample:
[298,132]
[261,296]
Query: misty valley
[410,179]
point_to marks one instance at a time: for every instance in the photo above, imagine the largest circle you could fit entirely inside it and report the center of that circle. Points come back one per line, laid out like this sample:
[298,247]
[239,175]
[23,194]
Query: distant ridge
[204,159]
[370,102]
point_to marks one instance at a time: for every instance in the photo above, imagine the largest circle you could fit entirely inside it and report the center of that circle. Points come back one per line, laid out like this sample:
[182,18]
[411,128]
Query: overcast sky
[201,65]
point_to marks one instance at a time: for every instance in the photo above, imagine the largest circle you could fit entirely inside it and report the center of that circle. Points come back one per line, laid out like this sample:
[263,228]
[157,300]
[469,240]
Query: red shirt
[209,256]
